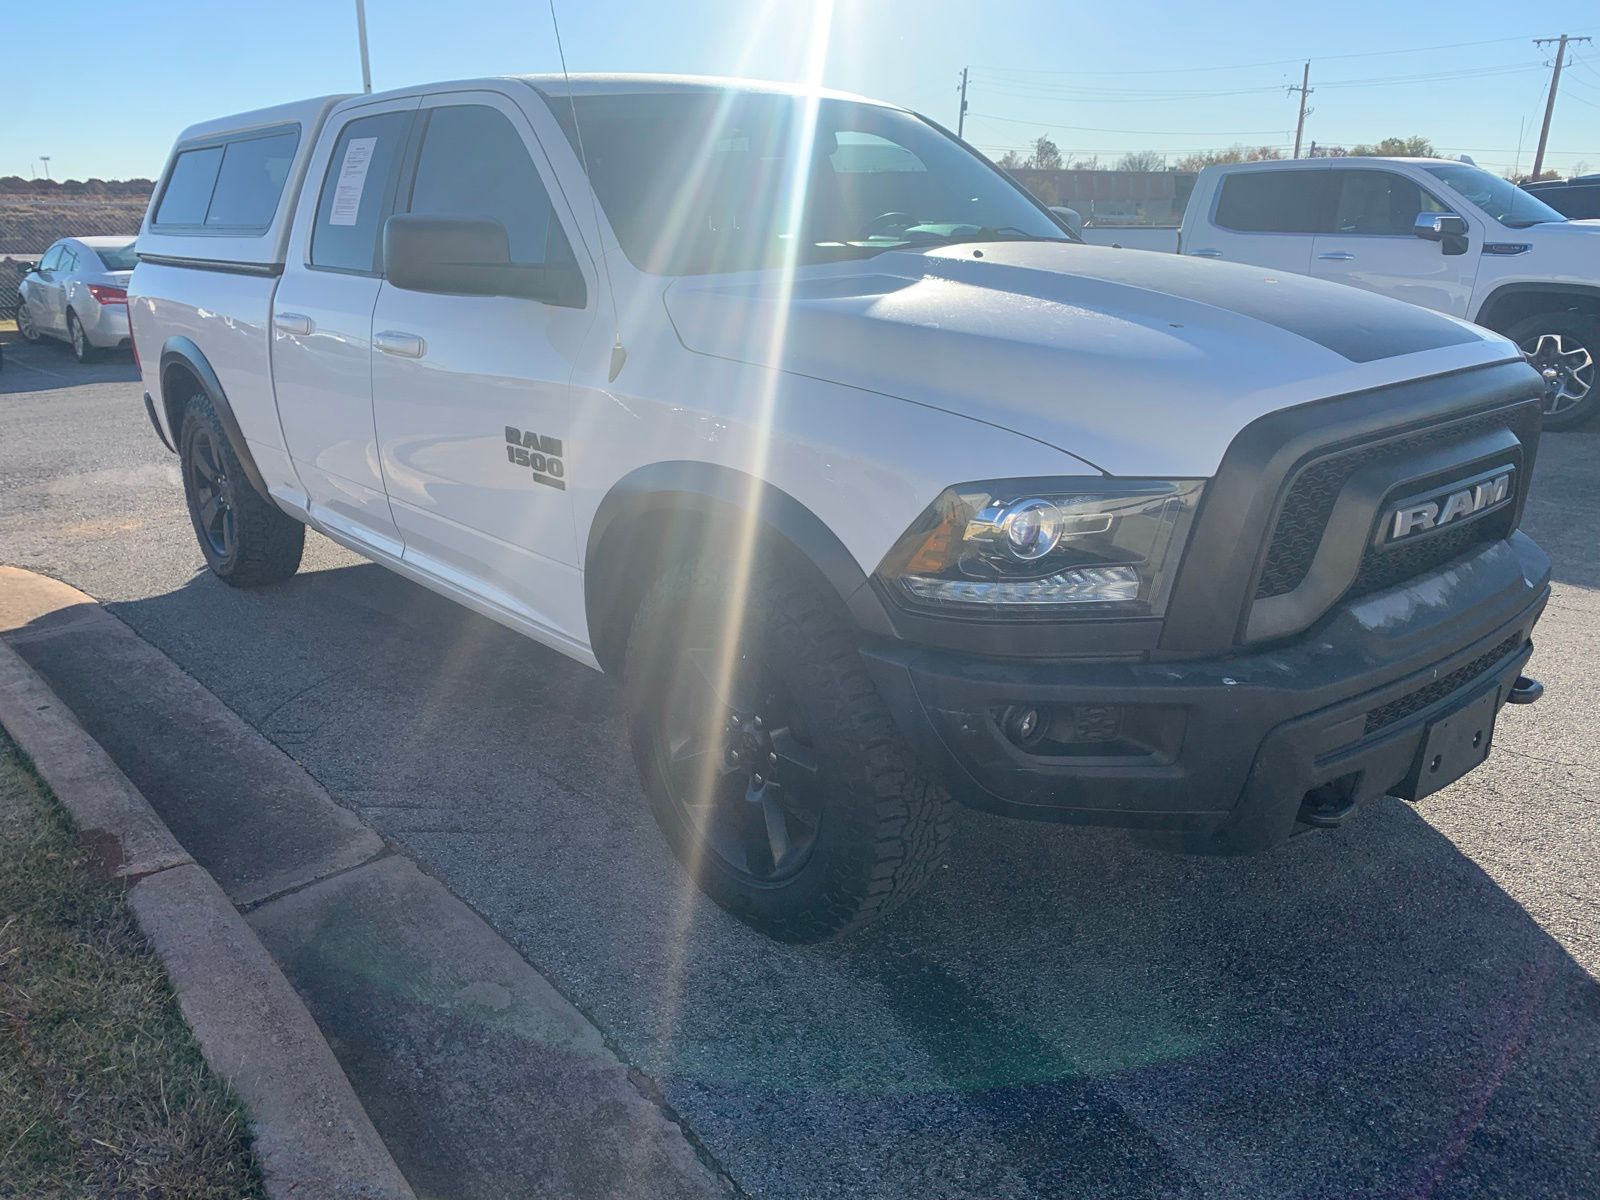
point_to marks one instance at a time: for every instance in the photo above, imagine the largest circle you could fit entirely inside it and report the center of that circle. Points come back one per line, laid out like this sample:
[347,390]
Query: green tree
[1046,156]
[1415,146]
[1233,154]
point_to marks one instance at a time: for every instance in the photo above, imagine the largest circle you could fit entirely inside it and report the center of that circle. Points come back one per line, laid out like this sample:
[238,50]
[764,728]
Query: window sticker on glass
[352,180]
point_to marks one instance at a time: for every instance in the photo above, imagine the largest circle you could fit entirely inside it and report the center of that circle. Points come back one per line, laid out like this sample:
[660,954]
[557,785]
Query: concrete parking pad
[483,1079]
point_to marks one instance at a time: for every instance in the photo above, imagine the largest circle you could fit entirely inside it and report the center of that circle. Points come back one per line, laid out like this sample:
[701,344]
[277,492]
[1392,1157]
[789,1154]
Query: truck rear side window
[250,181]
[1276,202]
[188,192]
[358,193]
[232,186]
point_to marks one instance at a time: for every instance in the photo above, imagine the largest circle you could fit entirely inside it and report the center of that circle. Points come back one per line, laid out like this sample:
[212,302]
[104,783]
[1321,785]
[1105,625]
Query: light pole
[45,159]
[361,31]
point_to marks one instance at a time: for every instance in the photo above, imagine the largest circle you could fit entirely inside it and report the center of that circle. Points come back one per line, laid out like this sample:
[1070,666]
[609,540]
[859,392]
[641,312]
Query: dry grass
[103,1092]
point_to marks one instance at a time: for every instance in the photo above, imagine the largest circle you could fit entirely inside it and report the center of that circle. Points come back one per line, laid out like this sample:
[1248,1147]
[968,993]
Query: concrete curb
[312,1134]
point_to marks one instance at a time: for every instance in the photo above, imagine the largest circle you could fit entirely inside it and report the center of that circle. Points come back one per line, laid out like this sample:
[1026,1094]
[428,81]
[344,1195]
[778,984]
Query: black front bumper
[1231,754]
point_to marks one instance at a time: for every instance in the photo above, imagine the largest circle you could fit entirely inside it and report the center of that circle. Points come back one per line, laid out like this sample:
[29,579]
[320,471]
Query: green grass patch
[103,1091]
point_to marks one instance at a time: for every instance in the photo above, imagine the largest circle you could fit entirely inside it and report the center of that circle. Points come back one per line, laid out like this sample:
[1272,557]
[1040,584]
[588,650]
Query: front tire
[28,331]
[247,540]
[771,764]
[82,348]
[1563,346]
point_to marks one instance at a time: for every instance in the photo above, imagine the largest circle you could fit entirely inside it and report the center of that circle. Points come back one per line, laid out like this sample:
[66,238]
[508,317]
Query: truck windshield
[1499,198]
[711,181]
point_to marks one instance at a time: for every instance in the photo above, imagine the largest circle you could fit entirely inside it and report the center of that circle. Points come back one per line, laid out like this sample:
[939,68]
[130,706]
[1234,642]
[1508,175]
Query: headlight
[1062,547]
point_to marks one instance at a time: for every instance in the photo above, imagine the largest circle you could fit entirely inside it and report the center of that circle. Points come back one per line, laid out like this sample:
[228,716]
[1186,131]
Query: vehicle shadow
[48,365]
[1364,1012]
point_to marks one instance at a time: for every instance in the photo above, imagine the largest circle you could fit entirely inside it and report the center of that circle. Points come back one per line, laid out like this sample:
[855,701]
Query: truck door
[1264,218]
[476,425]
[322,321]
[1373,245]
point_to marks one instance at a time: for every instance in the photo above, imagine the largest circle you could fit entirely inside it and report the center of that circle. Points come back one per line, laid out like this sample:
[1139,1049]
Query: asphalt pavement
[1404,1007]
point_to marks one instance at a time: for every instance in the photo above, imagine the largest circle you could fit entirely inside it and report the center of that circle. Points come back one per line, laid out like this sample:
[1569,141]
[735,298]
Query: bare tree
[1010,160]
[1142,160]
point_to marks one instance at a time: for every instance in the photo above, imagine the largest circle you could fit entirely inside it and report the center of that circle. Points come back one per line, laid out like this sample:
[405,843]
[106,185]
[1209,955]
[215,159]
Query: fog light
[1024,725]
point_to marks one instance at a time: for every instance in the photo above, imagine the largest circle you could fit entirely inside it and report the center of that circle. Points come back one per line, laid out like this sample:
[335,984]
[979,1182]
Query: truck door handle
[288,322]
[404,345]
[1205,254]
[1337,256]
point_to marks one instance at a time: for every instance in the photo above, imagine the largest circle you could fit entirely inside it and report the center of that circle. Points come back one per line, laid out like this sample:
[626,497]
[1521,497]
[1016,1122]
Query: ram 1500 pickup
[874,488]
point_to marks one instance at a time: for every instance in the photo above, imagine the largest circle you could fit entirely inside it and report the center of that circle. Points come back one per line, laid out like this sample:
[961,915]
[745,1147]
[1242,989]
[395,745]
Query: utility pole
[361,30]
[1550,100]
[1305,90]
[961,117]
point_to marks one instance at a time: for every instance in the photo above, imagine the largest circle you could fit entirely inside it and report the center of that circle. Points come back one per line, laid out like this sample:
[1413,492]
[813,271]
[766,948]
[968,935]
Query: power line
[1276,62]
[1138,132]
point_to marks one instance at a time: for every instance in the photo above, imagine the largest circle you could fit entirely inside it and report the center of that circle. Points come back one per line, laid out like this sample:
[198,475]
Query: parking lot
[1406,1006]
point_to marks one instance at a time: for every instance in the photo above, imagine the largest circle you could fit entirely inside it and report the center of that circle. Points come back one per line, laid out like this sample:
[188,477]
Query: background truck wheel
[82,349]
[246,539]
[1563,347]
[770,762]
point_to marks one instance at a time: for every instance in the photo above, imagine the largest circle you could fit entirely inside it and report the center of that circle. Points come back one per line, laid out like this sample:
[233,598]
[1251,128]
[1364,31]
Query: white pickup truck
[1447,235]
[874,488]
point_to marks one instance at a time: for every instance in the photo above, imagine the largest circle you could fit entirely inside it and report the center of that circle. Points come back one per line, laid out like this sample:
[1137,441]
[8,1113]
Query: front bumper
[1231,754]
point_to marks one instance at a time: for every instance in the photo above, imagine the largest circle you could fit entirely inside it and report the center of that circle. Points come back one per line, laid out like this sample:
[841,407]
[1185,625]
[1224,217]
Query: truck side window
[250,181]
[1276,202]
[1380,202]
[188,192]
[475,164]
[358,193]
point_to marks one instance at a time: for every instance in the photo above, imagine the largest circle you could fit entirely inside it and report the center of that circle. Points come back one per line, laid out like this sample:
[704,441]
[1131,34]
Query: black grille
[1412,702]
[1311,497]
[1385,568]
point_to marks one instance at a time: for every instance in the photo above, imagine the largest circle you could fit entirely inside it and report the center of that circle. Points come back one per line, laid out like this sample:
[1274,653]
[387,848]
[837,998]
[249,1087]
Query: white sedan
[79,292]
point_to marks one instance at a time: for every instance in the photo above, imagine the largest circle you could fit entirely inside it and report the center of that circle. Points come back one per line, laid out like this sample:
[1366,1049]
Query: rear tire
[1563,346]
[785,790]
[247,540]
[82,348]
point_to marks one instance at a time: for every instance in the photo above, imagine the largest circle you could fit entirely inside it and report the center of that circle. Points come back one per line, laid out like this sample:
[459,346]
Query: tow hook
[1525,690]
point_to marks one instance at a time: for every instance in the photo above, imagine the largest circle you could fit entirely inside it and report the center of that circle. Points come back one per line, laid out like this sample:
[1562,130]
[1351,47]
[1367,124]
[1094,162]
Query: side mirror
[1448,229]
[28,268]
[1070,217]
[463,256]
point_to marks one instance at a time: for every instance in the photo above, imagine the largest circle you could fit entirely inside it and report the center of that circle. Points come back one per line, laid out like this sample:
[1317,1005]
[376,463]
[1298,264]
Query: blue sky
[1099,79]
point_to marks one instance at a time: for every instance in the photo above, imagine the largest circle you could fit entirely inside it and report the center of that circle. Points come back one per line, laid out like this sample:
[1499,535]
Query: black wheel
[770,762]
[25,325]
[245,537]
[82,348]
[1562,346]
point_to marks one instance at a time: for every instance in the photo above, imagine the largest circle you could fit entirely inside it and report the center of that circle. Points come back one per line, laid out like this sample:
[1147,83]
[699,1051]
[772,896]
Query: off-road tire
[267,542]
[884,825]
[1575,329]
[83,349]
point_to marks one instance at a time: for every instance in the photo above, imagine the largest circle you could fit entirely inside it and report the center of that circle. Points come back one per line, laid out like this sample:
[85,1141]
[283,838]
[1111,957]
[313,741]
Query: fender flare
[181,351]
[1505,291]
[710,494]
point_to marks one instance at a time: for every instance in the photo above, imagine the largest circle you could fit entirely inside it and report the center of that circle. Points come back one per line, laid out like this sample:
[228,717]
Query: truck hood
[1136,363]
